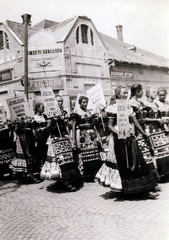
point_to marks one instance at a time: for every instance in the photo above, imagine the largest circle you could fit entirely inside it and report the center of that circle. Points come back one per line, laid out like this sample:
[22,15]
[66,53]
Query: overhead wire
[10,10]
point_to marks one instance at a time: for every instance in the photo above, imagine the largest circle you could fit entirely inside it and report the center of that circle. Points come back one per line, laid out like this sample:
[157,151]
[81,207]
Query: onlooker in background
[162,94]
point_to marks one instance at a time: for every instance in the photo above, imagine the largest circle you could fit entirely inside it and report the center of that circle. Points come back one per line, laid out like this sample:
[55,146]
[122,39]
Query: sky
[145,22]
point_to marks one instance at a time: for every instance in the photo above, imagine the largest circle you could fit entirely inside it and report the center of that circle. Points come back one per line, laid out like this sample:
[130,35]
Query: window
[84,30]
[84,34]
[4,41]
[1,40]
[77,35]
[91,35]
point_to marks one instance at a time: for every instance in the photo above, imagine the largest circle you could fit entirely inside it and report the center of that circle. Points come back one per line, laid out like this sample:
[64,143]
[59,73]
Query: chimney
[119,32]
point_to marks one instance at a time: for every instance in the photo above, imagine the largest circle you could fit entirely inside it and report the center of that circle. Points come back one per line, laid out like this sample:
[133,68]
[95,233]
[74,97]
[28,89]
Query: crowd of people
[82,146]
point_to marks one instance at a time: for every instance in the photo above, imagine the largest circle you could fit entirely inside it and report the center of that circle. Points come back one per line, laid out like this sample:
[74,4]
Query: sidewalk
[45,211]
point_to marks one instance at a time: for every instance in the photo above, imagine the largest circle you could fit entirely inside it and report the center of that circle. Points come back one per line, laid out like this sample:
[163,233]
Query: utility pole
[26,21]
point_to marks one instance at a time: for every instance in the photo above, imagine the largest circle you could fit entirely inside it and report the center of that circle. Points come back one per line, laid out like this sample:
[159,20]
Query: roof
[117,50]
[122,52]
[45,24]
[19,30]
[62,29]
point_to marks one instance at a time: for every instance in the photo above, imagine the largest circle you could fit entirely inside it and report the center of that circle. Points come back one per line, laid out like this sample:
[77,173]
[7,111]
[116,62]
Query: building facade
[71,57]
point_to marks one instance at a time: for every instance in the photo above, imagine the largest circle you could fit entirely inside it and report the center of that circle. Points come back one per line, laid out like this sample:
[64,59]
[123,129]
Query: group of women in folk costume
[150,117]
[85,147]
[142,158]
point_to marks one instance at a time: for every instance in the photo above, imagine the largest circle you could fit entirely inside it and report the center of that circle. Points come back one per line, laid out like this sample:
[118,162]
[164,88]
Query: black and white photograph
[84,119]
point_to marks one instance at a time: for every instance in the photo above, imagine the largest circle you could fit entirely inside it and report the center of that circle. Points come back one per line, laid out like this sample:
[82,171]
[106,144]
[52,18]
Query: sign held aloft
[51,106]
[123,110]
[96,96]
[18,107]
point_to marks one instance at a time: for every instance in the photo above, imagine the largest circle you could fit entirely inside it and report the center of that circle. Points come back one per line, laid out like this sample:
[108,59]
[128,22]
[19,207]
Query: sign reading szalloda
[3,120]
[123,110]
[18,107]
[97,99]
[51,106]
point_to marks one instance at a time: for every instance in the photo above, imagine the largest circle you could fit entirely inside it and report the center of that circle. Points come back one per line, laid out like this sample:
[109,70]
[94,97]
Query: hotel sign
[128,75]
[55,84]
[45,51]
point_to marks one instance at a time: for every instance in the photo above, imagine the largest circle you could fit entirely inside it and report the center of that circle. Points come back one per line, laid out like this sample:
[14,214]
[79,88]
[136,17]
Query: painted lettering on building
[45,51]
[128,75]
[55,84]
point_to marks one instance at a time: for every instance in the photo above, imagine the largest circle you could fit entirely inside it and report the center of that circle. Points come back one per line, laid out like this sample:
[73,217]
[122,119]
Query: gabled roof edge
[14,34]
[76,18]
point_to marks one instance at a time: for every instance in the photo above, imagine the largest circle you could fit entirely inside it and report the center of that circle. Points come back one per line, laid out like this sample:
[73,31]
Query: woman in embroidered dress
[7,150]
[64,166]
[85,139]
[23,164]
[134,173]
[145,120]
[158,131]
[108,174]
[41,134]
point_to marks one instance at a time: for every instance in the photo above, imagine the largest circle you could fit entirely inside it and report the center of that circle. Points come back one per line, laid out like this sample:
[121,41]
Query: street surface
[45,211]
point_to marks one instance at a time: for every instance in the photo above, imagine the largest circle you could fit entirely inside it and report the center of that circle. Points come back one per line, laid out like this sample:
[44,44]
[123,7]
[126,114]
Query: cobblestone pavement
[44,211]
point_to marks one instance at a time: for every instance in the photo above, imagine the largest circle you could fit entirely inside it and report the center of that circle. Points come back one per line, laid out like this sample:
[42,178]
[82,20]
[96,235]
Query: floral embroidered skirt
[134,172]
[7,153]
[108,174]
[50,169]
[146,148]
[89,156]
[19,164]
[60,163]
[160,146]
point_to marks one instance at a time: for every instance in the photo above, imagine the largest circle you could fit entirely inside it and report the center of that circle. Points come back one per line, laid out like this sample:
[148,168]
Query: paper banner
[18,107]
[51,106]
[123,109]
[96,96]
